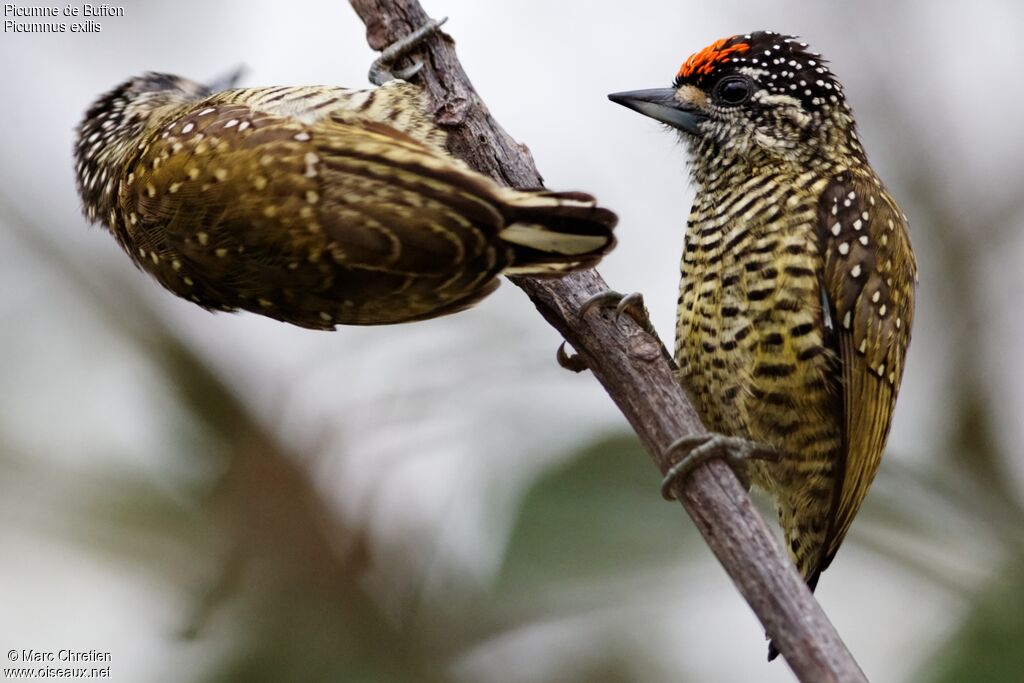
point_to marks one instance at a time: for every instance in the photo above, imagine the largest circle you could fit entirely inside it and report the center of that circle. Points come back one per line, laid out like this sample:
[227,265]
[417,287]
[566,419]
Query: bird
[316,206]
[797,284]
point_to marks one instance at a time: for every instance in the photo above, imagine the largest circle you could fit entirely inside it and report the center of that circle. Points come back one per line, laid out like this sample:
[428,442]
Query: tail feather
[552,233]
[808,553]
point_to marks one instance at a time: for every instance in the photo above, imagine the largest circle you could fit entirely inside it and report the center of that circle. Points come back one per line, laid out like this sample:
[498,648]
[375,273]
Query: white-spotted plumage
[318,206]
[791,229]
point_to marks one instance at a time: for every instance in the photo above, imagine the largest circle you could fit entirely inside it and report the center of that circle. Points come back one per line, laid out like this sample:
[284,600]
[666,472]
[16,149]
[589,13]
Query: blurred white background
[426,437]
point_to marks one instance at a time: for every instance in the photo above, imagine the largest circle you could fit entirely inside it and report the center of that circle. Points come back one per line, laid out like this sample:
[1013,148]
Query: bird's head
[761,97]
[112,130]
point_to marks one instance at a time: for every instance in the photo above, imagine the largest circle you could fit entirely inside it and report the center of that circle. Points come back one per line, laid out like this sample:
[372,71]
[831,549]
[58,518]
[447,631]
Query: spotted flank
[317,206]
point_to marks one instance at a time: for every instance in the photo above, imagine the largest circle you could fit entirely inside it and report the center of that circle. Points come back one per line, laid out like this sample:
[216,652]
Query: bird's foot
[625,304]
[629,304]
[573,363]
[381,70]
[699,448]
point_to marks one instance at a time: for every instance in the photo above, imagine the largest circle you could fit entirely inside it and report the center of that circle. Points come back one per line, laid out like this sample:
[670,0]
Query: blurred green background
[218,498]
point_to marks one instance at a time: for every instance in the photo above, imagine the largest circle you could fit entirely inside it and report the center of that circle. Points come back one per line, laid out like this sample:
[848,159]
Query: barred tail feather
[552,233]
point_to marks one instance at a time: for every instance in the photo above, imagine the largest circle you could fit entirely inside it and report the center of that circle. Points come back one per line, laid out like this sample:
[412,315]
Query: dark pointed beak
[228,80]
[662,105]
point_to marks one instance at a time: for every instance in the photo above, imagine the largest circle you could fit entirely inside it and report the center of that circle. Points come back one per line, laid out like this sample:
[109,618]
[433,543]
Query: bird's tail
[808,552]
[552,233]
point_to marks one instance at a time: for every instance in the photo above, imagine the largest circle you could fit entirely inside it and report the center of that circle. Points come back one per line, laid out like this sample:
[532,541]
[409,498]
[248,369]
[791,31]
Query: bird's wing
[869,277]
[360,194]
[328,209]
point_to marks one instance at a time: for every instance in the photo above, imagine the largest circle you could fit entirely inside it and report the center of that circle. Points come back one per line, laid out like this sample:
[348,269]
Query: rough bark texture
[635,369]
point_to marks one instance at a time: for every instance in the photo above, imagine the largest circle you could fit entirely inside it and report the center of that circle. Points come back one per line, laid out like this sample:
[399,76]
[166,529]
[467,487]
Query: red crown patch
[704,62]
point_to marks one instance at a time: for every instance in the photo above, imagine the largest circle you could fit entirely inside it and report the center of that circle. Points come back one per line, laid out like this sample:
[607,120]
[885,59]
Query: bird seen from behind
[797,291]
[316,206]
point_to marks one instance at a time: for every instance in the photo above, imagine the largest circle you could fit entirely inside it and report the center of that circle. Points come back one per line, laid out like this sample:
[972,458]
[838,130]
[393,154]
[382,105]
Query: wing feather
[318,207]
[369,195]
[868,281]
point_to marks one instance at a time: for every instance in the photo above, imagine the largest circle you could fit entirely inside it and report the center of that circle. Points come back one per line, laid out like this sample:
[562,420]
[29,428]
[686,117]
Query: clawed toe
[380,70]
[573,362]
[633,305]
[605,299]
[699,448]
[629,304]
[408,72]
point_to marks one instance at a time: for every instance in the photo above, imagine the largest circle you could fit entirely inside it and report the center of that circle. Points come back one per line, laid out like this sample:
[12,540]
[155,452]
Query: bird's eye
[733,90]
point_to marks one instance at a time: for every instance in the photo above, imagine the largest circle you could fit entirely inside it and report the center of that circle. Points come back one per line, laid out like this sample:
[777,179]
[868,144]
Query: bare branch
[635,370]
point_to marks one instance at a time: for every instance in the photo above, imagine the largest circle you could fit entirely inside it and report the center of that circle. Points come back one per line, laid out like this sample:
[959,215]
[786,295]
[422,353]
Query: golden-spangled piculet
[797,291]
[317,206]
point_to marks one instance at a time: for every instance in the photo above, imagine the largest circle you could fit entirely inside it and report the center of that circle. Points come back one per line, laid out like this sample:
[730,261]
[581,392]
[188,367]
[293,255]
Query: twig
[634,369]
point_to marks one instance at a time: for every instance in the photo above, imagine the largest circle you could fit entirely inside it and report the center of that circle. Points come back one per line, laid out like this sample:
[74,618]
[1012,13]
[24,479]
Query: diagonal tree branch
[634,368]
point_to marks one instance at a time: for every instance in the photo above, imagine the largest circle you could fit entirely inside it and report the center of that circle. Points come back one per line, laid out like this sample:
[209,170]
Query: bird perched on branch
[797,291]
[316,206]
